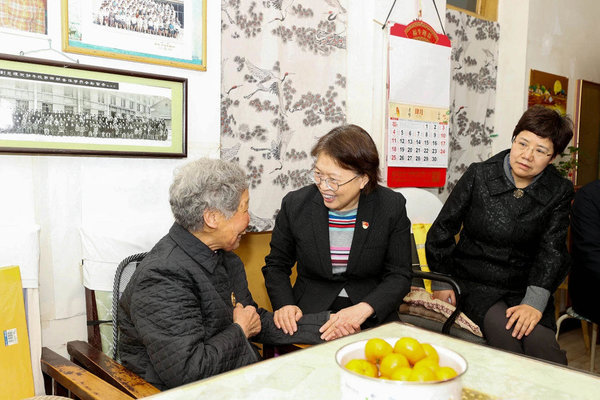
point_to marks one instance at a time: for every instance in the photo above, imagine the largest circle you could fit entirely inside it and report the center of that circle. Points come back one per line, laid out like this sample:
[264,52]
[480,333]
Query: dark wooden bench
[101,365]
[63,378]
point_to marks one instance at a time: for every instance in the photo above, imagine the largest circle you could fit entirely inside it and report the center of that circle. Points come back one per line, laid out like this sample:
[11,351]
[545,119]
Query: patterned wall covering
[472,92]
[283,86]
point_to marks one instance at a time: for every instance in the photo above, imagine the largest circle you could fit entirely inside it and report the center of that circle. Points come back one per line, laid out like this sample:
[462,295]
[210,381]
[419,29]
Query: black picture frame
[48,107]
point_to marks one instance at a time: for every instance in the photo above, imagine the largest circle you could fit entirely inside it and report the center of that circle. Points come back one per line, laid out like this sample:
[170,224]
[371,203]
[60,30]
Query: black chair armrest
[437,276]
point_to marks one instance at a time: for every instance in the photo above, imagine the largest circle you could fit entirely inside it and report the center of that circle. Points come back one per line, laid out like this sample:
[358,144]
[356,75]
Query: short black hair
[547,123]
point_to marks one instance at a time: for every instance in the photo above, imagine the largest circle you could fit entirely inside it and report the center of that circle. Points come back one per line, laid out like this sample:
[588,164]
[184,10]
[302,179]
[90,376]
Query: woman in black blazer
[512,212]
[349,236]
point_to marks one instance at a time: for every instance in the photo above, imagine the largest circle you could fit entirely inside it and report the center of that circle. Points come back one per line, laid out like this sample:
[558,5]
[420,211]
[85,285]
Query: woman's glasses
[331,184]
[538,152]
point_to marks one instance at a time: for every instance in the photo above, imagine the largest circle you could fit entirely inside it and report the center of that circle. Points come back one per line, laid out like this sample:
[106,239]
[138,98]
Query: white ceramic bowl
[356,386]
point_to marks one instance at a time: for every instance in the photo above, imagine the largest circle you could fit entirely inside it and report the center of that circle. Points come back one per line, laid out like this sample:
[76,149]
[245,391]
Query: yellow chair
[422,208]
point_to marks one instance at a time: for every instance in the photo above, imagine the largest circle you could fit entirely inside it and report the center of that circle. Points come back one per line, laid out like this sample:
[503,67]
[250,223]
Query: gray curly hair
[203,185]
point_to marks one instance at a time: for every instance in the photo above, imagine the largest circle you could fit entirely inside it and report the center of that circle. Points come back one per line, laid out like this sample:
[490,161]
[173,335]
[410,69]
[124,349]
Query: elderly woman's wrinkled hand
[248,319]
[346,321]
[286,317]
[524,317]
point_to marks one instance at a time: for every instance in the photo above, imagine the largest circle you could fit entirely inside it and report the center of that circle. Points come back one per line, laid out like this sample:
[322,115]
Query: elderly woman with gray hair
[187,312]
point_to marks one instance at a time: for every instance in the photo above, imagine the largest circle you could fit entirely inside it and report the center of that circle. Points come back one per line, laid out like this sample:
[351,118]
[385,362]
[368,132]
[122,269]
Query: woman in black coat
[512,213]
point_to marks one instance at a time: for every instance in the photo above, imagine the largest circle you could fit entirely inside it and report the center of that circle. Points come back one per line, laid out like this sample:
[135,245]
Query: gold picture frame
[171,33]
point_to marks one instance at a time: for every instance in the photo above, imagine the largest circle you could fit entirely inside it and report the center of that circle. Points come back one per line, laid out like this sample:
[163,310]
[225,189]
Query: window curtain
[283,85]
[474,64]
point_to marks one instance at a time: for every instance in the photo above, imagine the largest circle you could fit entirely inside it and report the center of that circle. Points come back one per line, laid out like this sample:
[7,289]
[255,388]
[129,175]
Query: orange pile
[408,360]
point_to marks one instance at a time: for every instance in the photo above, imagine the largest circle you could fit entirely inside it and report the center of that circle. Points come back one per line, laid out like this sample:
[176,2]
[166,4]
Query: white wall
[367,52]
[512,80]
[124,196]
[559,40]
[549,35]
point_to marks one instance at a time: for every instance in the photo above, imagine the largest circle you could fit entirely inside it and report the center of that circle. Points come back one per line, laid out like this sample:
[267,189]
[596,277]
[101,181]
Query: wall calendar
[417,136]
[418,100]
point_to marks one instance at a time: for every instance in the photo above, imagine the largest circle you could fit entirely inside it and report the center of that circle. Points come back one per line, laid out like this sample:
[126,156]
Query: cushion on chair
[419,302]
[436,326]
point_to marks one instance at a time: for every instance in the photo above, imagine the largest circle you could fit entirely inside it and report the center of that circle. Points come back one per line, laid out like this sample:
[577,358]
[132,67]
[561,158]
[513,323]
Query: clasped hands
[524,317]
[247,318]
[345,322]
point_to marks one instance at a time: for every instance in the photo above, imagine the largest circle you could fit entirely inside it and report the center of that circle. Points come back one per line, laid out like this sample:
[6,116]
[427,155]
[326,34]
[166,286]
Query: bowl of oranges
[400,368]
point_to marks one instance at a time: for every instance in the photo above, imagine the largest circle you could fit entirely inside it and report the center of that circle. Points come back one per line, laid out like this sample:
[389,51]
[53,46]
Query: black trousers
[540,343]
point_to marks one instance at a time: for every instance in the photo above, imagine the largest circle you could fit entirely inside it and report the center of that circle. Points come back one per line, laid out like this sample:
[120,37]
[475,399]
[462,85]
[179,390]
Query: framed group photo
[165,32]
[52,107]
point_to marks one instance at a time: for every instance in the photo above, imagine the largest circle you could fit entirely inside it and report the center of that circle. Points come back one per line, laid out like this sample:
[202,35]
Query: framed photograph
[25,16]
[50,107]
[548,90]
[166,32]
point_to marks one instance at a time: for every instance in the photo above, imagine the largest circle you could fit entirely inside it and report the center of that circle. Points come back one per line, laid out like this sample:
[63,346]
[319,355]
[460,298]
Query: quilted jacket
[506,243]
[176,314]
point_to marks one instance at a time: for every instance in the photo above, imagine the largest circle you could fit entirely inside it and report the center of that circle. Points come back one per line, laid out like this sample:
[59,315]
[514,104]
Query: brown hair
[352,148]
[546,123]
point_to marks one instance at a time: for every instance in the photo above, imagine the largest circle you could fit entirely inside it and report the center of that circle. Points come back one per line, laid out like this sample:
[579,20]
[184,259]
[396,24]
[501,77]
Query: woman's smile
[328,197]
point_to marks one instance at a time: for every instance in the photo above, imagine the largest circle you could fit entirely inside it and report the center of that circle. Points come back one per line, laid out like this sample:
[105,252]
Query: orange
[401,374]
[444,373]
[430,351]
[428,362]
[376,349]
[411,348]
[391,362]
[422,374]
[362,367]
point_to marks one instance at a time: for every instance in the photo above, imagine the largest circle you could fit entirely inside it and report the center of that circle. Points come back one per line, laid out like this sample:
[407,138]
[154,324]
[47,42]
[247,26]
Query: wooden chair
[101,365]
[64,378]
[90,356]
[122,276]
